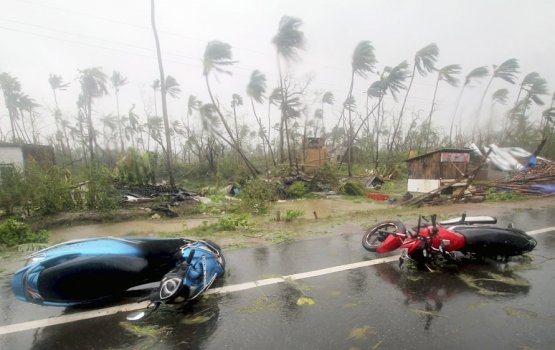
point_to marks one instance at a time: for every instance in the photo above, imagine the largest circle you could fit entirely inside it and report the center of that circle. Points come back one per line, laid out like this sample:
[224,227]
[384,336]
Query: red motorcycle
[471,237]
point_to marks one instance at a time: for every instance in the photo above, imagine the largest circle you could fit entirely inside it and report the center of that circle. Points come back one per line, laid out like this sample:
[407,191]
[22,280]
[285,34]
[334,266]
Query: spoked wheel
[374,236]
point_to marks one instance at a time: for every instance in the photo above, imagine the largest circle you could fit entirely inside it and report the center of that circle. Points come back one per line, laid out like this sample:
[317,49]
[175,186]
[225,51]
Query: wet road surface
[481,306]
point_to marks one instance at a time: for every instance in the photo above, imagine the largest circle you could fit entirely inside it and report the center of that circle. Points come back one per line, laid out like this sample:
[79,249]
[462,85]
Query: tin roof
[454,150]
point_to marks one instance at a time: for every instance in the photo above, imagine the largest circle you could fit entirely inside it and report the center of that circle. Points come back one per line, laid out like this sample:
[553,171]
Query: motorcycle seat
[493,241]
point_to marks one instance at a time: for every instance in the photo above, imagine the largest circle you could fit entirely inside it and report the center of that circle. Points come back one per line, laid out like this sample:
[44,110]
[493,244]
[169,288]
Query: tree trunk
[430,116]
[163,93]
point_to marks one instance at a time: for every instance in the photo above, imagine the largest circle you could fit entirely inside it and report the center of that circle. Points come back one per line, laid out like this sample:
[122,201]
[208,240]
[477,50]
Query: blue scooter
[94,270]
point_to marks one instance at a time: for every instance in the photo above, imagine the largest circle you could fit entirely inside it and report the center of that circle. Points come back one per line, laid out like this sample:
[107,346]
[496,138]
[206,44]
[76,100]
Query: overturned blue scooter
[92,271]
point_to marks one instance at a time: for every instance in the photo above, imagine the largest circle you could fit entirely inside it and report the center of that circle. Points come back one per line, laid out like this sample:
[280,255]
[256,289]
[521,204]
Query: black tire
[375,235]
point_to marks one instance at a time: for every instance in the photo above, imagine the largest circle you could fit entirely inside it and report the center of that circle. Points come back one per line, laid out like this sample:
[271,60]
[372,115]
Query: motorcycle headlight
[169,287]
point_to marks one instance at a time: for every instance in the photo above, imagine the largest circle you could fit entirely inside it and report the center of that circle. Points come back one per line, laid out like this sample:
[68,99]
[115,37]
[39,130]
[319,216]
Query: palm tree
[506,71]
[391,80]
[236,100]
[93,85]
[217,57]
[476,73]
[11,88]
[500,96]
[118,81]
[446,74]
[288,42]
[255,90]
[424,61]
[329,99]
[56,83]
[163,90]
[363,62]
[155,86]
[172,87]
[27,104]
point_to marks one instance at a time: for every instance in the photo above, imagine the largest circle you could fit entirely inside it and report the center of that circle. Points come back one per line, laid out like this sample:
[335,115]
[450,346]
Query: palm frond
[507,70]
[394,78]
[425,59]
[500,96]
[93,81]
[236,100]
[217,56]
[118,80]
[275,97]
[172,86]
[364,58]
[328,98]
[376,89]
[257,86]
[192,103]
[476,73]
[290,39]
[447,74]
[56,82]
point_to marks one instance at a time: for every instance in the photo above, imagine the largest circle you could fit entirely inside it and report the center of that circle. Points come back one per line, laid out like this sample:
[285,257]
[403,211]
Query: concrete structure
[14,155]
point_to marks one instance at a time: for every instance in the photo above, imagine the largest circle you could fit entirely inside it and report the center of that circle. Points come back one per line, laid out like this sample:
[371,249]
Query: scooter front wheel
[375,235]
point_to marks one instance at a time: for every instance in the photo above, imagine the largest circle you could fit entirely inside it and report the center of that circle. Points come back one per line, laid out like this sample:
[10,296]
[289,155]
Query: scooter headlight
[169,287]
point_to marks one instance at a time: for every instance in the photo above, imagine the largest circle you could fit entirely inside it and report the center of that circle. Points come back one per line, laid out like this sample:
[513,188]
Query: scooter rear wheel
[375,235]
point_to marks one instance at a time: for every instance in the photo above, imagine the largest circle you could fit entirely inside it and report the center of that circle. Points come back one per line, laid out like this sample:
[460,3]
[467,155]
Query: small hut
[315,153]
[17,155]
[429,171]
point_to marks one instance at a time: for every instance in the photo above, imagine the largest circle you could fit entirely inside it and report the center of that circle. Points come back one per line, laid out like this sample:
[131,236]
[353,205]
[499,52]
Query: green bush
[325,176]
[503,196]
[13,232]
[353,189]
[101,194]
[292,214]
[11,189]
[232,222]
[296,190]
[256,196]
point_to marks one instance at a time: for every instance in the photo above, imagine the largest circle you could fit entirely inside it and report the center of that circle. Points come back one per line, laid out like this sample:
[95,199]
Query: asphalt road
[356,302]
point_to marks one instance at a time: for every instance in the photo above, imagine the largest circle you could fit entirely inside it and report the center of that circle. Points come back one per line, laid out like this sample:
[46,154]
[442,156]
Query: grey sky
[62,36]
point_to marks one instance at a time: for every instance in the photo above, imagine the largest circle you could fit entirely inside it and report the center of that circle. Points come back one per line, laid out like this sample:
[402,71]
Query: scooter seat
[91,277]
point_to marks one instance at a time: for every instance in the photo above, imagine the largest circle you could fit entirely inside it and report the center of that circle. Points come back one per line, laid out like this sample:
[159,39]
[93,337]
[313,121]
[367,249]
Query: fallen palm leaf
[304,300]
[362,332]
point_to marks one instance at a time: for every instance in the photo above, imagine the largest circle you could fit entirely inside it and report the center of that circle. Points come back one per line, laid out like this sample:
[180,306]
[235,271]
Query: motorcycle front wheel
[375,235]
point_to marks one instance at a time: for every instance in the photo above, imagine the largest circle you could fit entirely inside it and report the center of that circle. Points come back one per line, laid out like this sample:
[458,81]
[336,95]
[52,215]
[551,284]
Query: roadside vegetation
[207,147]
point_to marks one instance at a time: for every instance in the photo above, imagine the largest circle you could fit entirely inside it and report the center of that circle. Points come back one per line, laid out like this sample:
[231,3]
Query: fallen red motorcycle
[463,237]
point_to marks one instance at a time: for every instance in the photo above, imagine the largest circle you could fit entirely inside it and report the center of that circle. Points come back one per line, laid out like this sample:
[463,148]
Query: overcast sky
[61,36]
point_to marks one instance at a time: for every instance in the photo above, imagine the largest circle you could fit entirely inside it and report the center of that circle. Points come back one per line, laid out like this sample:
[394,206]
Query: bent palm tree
[288,42]
[446,74]
[363,62]
[11,88]
[424,61]
[118,81]
[93,85]
[506,71]
[255,90]
[476,73]
[218,57]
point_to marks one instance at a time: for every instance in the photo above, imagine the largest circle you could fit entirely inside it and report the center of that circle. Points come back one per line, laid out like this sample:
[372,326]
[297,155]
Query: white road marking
[25,326]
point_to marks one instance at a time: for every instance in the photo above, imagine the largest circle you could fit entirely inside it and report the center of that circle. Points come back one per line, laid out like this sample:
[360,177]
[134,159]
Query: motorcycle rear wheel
[375,235]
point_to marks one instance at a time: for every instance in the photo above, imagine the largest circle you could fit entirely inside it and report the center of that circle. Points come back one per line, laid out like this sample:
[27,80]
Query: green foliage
[137,169]
[232,222]
[101,194]
[353,189]
[503,196]
[296,190]
[325,175]
[292,214]
[13,232]
[256,196]
[49,189]
[11,185]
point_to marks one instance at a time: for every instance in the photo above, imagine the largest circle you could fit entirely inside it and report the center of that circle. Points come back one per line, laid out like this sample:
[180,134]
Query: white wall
[11,155]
